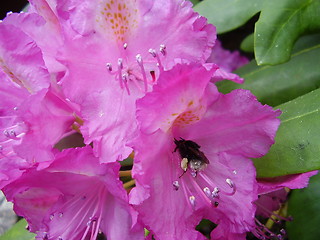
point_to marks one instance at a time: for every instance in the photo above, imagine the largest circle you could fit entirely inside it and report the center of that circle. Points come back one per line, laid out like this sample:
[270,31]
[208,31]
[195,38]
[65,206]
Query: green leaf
[247,44]
[194,2]
[297,147]
[279,26]
[304,207]
[227,15]
[274,85]
[18,231]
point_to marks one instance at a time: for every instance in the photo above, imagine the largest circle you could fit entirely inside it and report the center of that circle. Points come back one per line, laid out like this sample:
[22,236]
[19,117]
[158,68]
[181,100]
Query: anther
[229,182]
[140,62]
[283,232]
[9,13]
[163,49]
[139,58]
[15,108]
[280,237]
[207,192]
[125,45]
[120,63]
[109,67]
[125,78]
[6,133]
[192,200]
[153,52]
[216,204]
[215,192]
[13,133]
[176,185]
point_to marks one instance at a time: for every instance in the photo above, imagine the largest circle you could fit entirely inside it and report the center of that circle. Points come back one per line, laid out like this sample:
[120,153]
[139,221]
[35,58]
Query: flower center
[139,72]
[198,187]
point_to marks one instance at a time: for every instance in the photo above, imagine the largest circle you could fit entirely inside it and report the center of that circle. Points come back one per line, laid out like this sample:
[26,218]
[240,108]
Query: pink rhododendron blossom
[47,118]
[227,62]
[21,59]
[74,198]
[225,59]
[272,195]
[192,156]
[293,181]
[114,51]
[32,114]
[11,96]
[45,32]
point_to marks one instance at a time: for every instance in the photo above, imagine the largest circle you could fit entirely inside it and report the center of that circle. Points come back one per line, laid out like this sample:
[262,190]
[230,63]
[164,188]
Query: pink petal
[21,59]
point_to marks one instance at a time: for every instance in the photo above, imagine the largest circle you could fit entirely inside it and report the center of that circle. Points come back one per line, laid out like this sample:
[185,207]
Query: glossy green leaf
[304,207]
[19,232]
[247,44]
[297,147]
[227,15]
[274,85]
[194,2]
[279,26]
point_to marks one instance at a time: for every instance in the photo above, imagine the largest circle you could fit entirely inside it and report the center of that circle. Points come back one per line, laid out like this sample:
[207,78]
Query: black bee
[191,155]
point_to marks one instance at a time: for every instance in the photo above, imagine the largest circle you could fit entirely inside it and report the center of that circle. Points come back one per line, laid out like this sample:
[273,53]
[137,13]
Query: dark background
[11,5]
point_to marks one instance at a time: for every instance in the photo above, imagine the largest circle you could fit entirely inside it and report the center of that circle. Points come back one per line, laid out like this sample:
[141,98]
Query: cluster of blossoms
[130,78]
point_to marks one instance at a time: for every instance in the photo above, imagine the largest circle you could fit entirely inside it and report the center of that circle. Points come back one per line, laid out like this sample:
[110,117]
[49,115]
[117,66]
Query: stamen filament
[126,173]
[129,184]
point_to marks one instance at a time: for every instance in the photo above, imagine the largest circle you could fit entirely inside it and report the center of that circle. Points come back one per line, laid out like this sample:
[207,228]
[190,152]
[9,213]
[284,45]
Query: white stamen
[109,67]
[215,192]
[176,185]
[13,133]
[120,63]
[229,182]
[140,62]
[6,133]
[163,49]
[139,58]
[153,52]
[125,45]
[207,192]
[125,78]
[192,200]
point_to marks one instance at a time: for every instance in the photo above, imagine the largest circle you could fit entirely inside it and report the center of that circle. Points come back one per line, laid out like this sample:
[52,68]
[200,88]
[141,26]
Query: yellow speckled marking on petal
[187,117]
[13,77]
[118,18]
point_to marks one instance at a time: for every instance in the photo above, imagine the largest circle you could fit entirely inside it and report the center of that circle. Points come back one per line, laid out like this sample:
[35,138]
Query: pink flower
[43,28]
[32,113]
[225,59]
[74,198]
[227,62]
[272,196]
[10,128]
[192,156]
[114,51]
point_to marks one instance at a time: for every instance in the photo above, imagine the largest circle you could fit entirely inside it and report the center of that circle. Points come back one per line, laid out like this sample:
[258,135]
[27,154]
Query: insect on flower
[191,156]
